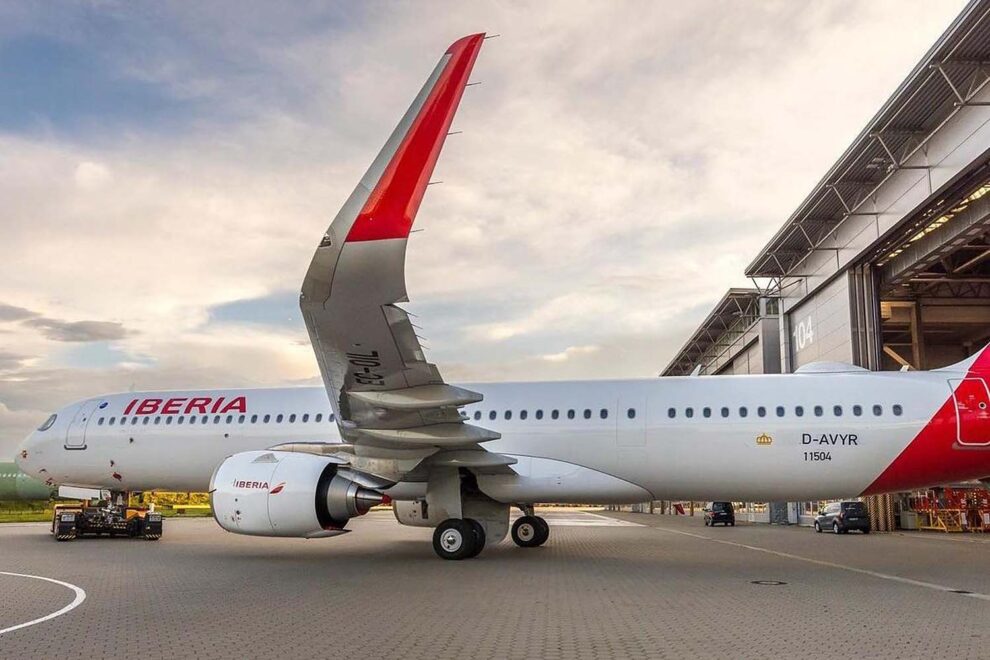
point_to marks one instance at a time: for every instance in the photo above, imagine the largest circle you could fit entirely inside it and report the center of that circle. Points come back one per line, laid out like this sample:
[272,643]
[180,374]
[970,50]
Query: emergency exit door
[972,400]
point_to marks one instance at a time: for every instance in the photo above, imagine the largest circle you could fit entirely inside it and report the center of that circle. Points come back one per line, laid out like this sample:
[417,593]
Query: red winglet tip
[465,42]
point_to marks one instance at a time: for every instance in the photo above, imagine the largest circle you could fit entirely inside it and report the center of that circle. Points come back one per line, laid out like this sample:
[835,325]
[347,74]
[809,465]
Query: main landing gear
[459,538]
[464,538]
[530,531]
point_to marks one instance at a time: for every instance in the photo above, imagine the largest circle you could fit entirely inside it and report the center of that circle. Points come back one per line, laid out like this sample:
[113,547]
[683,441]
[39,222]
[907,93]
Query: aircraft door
[630,420]
[75,433]
[972,399]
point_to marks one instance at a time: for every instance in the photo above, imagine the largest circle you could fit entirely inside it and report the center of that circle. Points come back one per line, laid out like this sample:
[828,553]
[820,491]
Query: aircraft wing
[392,405]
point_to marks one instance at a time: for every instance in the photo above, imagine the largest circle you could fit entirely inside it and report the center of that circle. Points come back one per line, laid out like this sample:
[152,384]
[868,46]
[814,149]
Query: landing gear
[458,538]
[530,531]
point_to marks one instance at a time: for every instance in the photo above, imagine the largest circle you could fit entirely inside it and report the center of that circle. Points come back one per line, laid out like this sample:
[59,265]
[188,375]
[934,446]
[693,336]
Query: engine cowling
[277,493]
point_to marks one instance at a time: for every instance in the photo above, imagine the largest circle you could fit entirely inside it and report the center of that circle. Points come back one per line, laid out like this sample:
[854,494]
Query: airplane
[15,485]
[387,428]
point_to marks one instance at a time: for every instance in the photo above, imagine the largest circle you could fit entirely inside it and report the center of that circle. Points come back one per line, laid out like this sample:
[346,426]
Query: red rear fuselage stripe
[392,206]
[934,456]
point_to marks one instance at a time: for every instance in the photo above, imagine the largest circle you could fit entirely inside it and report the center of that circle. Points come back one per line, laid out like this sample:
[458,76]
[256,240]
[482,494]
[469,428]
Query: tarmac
[609,585]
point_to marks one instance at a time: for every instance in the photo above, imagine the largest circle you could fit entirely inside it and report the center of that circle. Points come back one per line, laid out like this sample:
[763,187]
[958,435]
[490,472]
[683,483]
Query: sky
[167,169]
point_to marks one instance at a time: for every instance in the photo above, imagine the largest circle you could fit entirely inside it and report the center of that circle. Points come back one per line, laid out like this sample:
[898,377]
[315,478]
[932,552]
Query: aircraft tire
[526,532]
[479,537]
[454,539]
[544,530]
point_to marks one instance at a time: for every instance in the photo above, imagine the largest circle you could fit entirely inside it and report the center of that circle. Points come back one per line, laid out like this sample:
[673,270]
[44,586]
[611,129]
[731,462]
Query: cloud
[13,313]
[569,353]
[78,331]
[91,176]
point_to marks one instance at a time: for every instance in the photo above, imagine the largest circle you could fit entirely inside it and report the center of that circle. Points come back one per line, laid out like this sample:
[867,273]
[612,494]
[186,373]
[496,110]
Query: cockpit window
[48,423]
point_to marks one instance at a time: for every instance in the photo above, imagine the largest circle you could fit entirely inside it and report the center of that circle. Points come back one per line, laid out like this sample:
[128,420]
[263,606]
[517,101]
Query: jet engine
[278,493]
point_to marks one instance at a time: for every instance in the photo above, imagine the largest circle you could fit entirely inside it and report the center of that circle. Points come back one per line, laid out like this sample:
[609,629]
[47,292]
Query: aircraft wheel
[454,539]
[545,531]
[479,537]
[530,531]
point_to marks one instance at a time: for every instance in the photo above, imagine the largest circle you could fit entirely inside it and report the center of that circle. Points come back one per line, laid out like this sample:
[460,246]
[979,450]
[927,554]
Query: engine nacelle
[278,493]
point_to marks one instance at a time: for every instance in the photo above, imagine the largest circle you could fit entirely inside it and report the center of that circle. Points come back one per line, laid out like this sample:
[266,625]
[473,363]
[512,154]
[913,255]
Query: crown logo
[764,439]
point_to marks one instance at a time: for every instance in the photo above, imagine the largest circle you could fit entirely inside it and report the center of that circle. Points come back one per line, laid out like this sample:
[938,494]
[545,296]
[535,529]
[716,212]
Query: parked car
[720,512]
[840,517]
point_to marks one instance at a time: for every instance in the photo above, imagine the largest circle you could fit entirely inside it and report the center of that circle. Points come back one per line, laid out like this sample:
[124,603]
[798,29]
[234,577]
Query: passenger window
[266,419]
[555,414]
[158,420]
[539,414]
[877,410]
[477,415]
[706,412]
[318,418]
[492,415]
[254,419]
[168,420]
[216,419]
[603,413]
[742,411]
[689,412]
[181,419]
[240,419]
[205,419]
[670,413]
[99,422]
[837,411]
[587,413]
[819,411]
[123,420]
[230,418]
[134,421]
[192,419]
[305,417]
[897,409]
[145,421]
[631,413]
[780,411]
[761,411]
[725,411]
[279,418]
[331,417]
[570,414]
[292,418]
[523,414]
[508,414]
[857,410]
[799,411]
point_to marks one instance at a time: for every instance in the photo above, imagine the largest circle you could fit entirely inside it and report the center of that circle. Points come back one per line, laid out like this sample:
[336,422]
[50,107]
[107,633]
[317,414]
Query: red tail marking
[392,206]
[930,458]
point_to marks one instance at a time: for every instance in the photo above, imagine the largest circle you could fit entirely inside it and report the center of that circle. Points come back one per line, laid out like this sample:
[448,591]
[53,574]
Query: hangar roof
[944,81]
[737,309]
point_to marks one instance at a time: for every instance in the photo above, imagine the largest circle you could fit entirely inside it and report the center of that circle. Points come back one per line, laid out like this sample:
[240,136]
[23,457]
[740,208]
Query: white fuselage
[780,437]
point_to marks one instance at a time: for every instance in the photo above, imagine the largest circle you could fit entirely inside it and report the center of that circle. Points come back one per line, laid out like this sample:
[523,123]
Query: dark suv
[720,512]
[840,517]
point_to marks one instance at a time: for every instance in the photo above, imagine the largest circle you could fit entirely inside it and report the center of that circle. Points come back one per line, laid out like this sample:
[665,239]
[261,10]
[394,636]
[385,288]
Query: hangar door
[972,400]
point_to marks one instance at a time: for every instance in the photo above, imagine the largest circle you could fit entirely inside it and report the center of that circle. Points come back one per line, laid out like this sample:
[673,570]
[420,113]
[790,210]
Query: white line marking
[76,602]
[829,564]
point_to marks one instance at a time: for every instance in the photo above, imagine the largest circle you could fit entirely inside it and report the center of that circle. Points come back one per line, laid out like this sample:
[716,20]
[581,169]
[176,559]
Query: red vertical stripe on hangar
[934,457]
[392,206]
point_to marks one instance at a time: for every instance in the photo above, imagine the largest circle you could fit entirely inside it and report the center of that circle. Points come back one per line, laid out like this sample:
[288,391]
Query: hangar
[886,262]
